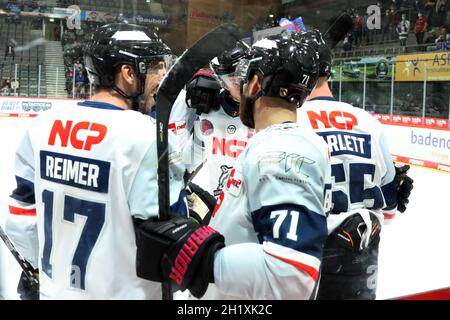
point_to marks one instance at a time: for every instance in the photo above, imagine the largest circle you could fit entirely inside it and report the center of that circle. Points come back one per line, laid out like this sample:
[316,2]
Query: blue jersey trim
[24,191]
[323,98]
[99,105]
[311,230]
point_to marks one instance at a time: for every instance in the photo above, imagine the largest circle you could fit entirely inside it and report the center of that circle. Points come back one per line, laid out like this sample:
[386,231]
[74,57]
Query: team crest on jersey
[222,179]
[231,129]
[234,183]
[206,127]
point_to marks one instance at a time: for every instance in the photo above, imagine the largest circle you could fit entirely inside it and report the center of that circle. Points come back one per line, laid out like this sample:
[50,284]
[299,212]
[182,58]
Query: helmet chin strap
[134,98]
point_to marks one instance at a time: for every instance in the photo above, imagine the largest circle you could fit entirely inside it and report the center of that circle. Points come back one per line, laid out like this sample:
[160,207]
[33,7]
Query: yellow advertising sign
[412,67]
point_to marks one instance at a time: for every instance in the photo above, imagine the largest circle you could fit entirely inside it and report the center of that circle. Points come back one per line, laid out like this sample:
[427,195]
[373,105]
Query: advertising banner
[412,67]
[29,107]
[375,68]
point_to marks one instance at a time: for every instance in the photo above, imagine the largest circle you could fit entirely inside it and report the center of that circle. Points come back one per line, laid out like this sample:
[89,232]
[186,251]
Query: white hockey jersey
[272,213]
[362,167]
[82,173]
[219,138]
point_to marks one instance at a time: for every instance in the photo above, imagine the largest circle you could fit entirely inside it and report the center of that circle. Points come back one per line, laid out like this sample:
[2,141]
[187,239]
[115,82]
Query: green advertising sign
[375,69]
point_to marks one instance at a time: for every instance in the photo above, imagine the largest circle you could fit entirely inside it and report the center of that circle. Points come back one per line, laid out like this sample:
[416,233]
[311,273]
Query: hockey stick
[211,45]
[24,264]
[338,27]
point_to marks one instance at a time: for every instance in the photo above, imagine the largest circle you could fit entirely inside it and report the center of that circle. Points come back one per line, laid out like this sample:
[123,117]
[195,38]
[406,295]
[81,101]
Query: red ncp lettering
[334,119]
[68,131]
[230,148]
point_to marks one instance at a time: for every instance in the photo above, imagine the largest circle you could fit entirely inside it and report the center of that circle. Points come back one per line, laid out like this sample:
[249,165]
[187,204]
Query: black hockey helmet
[224,66]
[226,63]
[113,45]
[289,69]
[315,39]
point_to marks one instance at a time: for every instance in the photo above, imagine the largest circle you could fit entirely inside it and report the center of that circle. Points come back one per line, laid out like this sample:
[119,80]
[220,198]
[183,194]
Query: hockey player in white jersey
[364,188]
[219,136]
[84,173]
[272,212]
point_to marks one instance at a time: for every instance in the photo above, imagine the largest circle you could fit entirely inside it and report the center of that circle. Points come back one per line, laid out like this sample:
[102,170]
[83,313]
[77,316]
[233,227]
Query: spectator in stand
[56,34]
[79,82]
[394,20]
[348,41]
[420,27]
[430,5]
[443,41]
[69,80]
[6,88]
[77,65]
[10,51]
[403,31]
[357,29]
[385,26]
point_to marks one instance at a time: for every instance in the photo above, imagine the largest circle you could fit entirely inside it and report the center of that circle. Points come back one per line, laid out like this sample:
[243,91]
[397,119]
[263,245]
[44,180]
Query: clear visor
[230,81]
[165,61]
[227,81]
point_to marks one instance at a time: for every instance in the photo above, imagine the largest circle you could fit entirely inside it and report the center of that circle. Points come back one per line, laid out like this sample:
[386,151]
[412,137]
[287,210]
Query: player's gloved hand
[350,234]
[202,92]
[404,185]
[200,202]
[179,251]
[27,289]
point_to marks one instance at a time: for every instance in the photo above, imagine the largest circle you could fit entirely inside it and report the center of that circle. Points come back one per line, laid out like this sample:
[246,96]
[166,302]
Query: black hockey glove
[202,93]
[179,251]
[349,235]
[404,185]
[27,289]
[201,203]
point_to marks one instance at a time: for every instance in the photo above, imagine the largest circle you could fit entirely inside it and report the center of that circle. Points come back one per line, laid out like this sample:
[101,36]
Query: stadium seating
[24,66]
